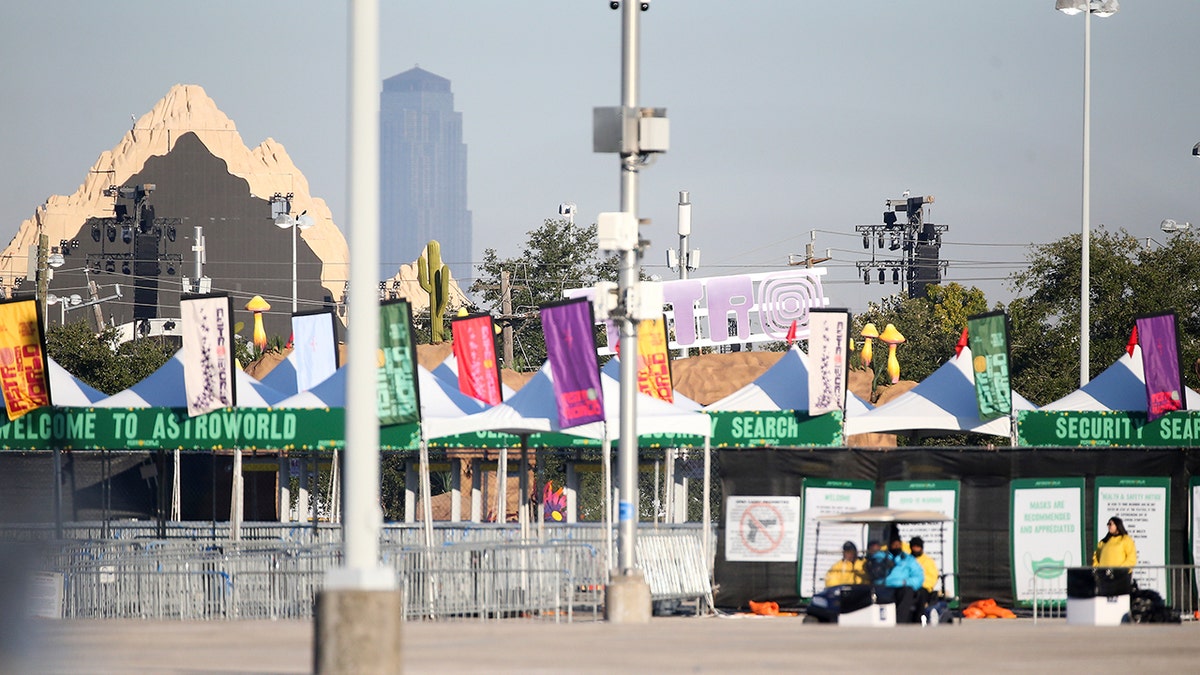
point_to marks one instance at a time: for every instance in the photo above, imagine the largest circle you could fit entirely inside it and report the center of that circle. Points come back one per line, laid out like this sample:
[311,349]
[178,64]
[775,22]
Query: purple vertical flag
[1160,362]
[571,349]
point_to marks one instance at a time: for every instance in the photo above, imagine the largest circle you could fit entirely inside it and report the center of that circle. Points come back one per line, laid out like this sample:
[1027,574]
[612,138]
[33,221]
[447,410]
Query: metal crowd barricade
[1177,584]
[674,564]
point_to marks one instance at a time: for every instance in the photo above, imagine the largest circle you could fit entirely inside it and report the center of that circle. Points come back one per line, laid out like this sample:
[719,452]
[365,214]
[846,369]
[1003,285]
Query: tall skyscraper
[423,174]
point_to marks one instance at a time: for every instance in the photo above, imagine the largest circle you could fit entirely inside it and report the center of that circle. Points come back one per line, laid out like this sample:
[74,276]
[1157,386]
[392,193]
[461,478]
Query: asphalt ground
[709,644]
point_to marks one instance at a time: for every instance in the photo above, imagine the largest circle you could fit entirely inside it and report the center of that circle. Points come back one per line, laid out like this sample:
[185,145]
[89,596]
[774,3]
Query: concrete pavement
[666,645]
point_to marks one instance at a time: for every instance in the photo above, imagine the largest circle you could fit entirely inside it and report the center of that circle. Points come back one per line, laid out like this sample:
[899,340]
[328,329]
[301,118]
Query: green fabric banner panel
[818,550]
[397,391]
[1057,428]
[1046,535]
[1141,502]
[775,429]
[941,539]
[171,428]
[988,339]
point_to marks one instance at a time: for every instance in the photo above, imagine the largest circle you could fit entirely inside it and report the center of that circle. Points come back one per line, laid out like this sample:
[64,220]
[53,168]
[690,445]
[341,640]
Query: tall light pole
[635,134]
[1101,8]
[285,220]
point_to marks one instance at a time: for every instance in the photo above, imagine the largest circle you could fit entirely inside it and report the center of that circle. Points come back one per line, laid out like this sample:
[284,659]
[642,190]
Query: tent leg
[476,491]
[285,488]
[411,485]
[572,491]
[455,490]
[235,498]
[523,482]
[176,507]
[502,487]
[426,497]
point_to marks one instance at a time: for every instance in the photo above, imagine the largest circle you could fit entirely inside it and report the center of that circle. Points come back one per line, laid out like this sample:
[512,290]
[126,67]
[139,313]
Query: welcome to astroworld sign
[169,428]
[743,308]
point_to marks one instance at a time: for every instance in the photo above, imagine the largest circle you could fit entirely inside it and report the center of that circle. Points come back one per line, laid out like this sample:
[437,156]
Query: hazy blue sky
[786,115]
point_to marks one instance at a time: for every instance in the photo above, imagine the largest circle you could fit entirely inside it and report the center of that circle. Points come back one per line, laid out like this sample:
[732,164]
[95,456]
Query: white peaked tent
[1122,386]
[164,389]
[944,401]
[533,410]
[68,390]
[784,386]
[613,369]
[442,405]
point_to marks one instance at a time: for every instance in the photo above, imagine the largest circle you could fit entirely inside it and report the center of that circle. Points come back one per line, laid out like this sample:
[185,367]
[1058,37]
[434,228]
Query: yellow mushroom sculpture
[869,332]
[892,338]
[257,305]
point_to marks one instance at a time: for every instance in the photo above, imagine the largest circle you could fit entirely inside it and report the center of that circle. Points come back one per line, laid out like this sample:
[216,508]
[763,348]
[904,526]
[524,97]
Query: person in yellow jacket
[1116,549]
[916,546]
[848,570]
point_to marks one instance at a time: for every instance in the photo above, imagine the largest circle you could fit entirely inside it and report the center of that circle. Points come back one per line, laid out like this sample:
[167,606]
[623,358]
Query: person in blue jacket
[900,576]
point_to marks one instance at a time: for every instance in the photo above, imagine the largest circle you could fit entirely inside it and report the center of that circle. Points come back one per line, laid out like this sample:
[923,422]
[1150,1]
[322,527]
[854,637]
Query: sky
[787,117]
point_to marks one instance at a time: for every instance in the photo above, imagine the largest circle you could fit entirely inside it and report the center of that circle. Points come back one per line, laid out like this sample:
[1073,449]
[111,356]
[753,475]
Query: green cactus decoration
[434,278]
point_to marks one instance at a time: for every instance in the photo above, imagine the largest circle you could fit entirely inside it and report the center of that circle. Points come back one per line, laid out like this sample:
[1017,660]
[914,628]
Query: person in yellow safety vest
[1116,549]
[848,570]
[916,546]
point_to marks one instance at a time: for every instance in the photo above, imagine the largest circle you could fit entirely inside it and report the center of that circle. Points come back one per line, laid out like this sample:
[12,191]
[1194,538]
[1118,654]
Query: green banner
[1045,536]
[988,339]
[1057,428]
[170,428]
[397,391]
[775,429]
[941,539]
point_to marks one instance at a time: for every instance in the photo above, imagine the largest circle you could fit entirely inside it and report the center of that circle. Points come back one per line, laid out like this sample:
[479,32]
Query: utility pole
[506,332]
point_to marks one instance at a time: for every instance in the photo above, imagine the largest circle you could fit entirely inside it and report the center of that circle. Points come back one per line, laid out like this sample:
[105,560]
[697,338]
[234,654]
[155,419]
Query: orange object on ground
[767,608]
[987,609]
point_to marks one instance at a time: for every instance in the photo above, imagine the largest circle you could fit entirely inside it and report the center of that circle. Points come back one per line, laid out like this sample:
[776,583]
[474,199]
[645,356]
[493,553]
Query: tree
[559,255]
[99,361]
[1127,279]
[931,327]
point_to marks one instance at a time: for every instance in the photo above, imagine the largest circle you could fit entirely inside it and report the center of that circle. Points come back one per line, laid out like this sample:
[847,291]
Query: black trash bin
[1099,582]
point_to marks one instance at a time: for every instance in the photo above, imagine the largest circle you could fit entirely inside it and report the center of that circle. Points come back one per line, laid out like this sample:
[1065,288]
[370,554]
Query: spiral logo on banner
[784,298]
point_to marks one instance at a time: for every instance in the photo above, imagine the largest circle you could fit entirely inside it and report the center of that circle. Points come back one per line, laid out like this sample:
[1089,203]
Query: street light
[1101,8]
[1171,226]
[281,207]
[64,303]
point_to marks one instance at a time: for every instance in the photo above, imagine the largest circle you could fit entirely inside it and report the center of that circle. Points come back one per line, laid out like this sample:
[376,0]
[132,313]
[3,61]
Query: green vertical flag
[399,402]
[987,336]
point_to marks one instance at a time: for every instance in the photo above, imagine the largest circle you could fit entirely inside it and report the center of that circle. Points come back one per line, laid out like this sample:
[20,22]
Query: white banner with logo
[828,343]
[208,376]
[314,348]
[738,309]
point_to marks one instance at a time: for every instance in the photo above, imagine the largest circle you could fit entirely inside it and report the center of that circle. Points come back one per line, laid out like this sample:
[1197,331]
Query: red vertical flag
[474,341]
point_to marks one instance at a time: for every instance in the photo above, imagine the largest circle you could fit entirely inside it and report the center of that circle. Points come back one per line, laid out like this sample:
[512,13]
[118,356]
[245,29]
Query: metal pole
[363,517]
[627,279]
[295,235]
[1085,271]
[685,229]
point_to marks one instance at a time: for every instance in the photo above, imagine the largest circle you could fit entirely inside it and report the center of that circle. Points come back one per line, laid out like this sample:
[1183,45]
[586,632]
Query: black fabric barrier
[983,511]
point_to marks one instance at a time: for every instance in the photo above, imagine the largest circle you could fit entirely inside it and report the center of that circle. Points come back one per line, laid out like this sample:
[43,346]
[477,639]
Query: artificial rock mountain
[205,175]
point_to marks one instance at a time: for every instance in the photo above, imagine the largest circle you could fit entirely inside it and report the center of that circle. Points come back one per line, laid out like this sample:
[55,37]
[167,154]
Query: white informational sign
[744,308]
[820,551]
[1194,505]
[762,529]
[1047,536]
[1143,505]
[941,542]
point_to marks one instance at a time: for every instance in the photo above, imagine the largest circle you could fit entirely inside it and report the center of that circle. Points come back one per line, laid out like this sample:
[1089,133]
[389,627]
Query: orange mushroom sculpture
[869,332]
[257,305]
[892,338]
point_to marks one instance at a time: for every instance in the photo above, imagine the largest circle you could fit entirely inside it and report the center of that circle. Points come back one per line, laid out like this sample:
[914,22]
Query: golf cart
[865,605]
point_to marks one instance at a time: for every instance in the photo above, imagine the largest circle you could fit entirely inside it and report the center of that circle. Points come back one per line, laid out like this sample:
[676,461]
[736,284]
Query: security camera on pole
[637,135]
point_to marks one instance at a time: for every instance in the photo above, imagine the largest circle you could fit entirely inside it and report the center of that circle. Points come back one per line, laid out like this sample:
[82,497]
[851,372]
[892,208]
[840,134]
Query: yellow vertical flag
[23,373]
[654,363]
